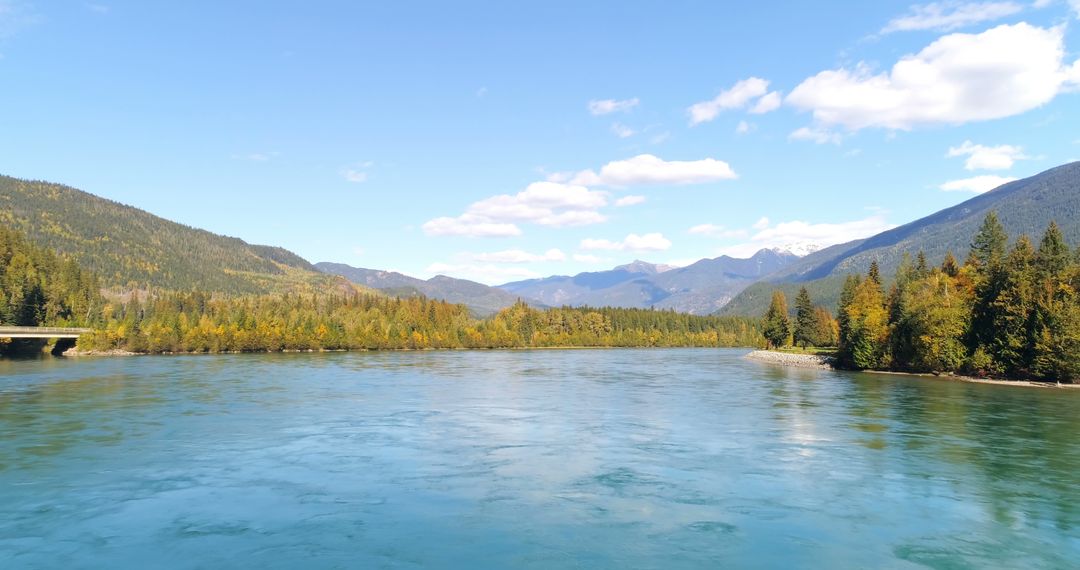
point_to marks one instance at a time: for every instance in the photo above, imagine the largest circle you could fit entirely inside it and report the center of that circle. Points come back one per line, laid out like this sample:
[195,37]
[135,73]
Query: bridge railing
[42,330]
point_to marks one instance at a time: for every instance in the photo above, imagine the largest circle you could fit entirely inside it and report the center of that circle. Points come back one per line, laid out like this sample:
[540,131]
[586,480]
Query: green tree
[776,325]
[864,329]
[1013,311]
[805,320]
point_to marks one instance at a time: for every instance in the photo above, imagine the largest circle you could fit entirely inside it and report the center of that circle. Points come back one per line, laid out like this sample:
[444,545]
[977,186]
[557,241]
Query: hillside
[126,246]
[701,288]
[1024,207]
[481,299]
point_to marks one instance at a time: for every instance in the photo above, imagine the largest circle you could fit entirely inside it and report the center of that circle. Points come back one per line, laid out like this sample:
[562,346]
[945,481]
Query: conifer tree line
[812,326]
[1010,312]
[41,288]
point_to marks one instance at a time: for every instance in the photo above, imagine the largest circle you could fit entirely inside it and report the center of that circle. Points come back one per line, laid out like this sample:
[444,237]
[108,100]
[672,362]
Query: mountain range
[701,288]
[482,299]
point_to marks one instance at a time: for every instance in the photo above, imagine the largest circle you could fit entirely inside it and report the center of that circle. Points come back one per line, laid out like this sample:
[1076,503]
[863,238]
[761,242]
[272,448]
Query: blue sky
[503,140]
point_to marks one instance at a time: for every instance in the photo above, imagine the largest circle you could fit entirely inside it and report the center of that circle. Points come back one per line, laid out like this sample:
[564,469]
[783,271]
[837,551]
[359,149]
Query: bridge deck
[41,332]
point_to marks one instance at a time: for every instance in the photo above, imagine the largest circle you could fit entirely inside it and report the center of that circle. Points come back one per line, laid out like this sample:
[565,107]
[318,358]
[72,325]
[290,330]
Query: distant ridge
[700,288]
[481,299]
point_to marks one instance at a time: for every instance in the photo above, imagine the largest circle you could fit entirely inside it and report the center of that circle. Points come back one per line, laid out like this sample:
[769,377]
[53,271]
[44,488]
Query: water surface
[542,459]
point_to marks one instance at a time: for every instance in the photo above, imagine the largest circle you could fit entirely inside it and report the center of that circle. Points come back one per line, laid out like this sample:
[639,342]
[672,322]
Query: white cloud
[801,232]
[622,131]
[649,169]
[517,256]
[977,184]
[470,226]
[950,15]
[767,104]
[630,200]
[761,224]
[743,128]
[817,135]
[982,157]
[632,242]
[713,230]
[957,79]
[1075,5]
[543,203]
[608,106]
[483,273]
[740,95]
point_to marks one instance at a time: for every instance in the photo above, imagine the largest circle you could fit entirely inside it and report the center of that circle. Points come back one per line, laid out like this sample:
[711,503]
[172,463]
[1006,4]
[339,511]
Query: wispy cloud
[357,173]
[630,201]
[622,131]
[608,106]
[632,242]
[650,169]
[816,135]
[799,232]
[256,156]
[713,230]
[517,256]
[738,96]
[950,15]
[15,16]
[977,184]
[548,203]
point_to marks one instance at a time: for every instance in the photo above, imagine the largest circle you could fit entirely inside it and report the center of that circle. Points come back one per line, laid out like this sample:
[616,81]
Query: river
[527,459]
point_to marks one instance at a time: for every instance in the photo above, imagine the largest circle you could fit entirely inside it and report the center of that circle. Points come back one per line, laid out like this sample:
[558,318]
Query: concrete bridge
[41,332]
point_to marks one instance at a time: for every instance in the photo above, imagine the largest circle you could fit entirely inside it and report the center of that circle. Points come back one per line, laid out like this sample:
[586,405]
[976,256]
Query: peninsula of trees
[1006,312]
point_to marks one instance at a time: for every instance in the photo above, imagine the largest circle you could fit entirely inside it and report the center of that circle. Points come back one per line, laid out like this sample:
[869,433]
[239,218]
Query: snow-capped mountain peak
[797,248]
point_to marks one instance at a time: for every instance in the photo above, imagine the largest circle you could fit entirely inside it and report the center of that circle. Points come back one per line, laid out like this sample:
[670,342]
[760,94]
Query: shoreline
[825,363]
[75,353]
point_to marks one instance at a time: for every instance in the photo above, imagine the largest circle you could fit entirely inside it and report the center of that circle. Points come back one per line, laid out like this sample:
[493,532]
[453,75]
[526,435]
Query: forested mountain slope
[126,246]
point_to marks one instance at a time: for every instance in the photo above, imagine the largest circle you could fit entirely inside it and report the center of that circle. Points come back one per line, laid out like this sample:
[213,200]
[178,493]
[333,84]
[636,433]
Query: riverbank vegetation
[41,288]
[1006,312]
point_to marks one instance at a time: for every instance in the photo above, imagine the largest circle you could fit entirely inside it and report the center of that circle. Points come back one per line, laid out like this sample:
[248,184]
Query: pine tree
[988,246]
[1012,311]
[805,320]
[776,326]
[922,269]
[950,266]
[843,320]
[875,273]
[1053,255]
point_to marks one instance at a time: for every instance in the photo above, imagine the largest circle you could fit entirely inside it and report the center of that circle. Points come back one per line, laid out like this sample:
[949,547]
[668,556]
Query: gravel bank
[787,359]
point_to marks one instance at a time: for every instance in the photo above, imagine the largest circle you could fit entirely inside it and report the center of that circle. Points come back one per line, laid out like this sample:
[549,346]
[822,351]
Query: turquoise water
[527,459]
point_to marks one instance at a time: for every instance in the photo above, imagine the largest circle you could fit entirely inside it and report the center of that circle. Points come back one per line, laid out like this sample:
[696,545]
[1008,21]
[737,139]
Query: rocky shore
[790,359]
